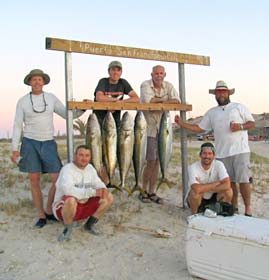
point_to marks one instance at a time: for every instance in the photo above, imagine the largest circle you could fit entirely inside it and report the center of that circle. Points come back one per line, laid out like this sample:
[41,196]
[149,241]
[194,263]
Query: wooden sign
[120,51]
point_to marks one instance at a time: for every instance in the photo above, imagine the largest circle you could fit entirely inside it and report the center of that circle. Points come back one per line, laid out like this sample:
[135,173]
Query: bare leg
[235,195]
[54,177]
[104,204]
[37,194]
[150,175]
[154,176]
[245,191]
[194,201]
[226,196]
[69,210]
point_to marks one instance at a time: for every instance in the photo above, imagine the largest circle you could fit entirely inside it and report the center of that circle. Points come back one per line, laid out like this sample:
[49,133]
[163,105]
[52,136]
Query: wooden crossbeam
[91,105]
[121,51]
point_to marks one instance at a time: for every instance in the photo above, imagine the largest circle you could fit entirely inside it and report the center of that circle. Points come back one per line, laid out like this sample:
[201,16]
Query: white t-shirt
[218,119]
[198,175]
[80,183]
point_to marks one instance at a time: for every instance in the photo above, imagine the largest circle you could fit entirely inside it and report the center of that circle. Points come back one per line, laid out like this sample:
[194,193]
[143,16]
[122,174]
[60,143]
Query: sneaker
[92,229]
[41,223]
[65,235]
[51,217]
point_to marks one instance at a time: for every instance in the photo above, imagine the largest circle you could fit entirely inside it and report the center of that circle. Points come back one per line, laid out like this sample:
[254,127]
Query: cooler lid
[237,226]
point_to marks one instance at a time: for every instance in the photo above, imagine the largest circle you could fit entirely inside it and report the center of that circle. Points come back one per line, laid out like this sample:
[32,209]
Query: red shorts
[84,210]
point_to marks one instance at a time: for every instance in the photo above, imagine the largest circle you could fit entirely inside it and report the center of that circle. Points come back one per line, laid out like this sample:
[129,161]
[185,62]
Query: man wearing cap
[208,181]
[113,89]
[155,90]
[230,122]
[33,129]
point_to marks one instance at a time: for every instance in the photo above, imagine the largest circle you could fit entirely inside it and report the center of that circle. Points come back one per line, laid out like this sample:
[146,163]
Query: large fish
[94,141]
[165,138]
[125,146]
[109,141]
[140,146]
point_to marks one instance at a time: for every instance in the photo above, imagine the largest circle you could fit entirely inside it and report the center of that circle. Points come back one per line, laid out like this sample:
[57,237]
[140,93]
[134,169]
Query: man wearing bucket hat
[230,122]
[33,129]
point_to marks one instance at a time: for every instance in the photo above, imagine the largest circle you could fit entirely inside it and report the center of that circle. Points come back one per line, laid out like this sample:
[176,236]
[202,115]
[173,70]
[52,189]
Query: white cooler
[231,248]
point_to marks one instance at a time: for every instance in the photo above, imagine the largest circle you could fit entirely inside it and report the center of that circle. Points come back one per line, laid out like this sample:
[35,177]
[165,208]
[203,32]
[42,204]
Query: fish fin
[164,183]
[128,190]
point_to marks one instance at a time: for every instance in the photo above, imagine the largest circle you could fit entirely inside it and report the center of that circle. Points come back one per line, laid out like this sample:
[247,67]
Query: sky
[233,33]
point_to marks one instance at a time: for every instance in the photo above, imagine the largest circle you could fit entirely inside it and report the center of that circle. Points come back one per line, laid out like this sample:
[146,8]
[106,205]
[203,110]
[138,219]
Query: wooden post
[69,113]
[183,133]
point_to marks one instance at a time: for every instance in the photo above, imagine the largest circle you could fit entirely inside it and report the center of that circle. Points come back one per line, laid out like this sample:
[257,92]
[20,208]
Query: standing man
[155,90]
[34,124]
[209,181]
[113,89]
[80,194]
[230,122]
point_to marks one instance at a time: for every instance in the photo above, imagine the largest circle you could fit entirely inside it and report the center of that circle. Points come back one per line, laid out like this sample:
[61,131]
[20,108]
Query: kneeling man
[208,181]
[80,194]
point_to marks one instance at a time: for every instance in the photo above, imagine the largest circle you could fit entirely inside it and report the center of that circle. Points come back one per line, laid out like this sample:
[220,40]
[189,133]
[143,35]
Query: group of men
[77,192]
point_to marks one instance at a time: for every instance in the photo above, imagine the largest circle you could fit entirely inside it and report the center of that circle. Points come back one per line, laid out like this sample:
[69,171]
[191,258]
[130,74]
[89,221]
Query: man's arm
[192,127]
[172,101]
[102,97]
[17,132]
[133,98]
[242,126]
[216,187]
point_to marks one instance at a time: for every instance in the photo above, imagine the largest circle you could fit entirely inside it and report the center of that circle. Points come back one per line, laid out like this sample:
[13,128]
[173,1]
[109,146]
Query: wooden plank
[91,105]
[121,51]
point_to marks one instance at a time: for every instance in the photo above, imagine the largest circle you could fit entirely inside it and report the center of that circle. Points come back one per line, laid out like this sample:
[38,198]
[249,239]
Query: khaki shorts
[238,167]
[152,148]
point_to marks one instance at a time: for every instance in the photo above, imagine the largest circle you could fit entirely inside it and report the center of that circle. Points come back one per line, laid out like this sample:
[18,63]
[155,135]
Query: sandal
[144,198]
[155,198]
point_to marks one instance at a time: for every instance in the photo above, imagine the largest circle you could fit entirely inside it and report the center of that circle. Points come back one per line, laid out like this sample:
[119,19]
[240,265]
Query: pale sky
[234,33]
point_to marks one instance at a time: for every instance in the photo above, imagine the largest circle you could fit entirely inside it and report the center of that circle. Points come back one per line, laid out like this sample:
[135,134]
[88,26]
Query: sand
[127,249]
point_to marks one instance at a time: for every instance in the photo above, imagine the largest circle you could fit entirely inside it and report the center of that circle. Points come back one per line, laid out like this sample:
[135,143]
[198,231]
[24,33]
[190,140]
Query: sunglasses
[44,104]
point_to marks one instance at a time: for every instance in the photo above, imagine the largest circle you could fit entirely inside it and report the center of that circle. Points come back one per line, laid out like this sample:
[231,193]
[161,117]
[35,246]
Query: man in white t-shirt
[80,194]
[208,181]
[230,122]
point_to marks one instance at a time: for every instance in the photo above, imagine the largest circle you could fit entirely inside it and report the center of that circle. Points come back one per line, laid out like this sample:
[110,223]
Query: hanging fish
[109,142]
[140,146]
[165,138]
[125,147]
[94,141]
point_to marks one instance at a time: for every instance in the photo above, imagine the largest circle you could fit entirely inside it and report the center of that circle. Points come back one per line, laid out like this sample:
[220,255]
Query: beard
[223,102]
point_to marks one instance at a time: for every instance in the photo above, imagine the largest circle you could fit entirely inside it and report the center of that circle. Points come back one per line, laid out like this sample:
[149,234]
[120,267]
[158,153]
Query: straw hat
[37,72]
[221,85]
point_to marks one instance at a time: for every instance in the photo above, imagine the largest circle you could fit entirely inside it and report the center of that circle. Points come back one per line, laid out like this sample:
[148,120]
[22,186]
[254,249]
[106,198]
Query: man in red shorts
[80,194]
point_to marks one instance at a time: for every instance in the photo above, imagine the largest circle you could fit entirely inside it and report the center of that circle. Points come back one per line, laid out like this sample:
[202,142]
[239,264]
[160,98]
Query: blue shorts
[39,156]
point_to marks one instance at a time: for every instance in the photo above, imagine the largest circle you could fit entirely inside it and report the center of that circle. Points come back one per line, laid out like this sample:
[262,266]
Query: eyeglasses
[44,102]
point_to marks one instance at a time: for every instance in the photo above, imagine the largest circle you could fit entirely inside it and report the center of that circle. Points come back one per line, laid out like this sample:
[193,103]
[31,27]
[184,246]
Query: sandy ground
[127,249]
